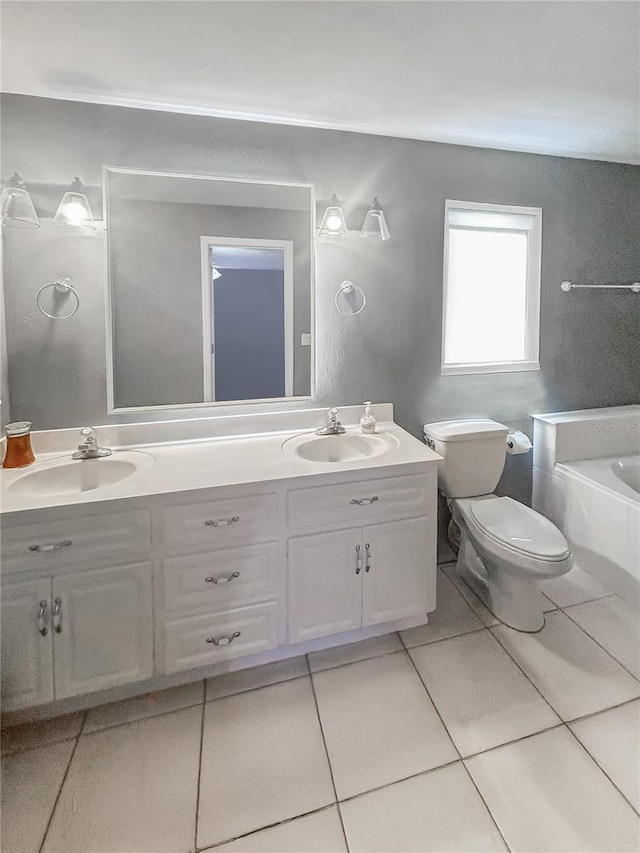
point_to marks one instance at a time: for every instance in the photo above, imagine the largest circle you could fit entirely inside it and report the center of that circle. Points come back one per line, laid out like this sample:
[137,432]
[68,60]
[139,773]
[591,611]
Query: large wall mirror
[210,290]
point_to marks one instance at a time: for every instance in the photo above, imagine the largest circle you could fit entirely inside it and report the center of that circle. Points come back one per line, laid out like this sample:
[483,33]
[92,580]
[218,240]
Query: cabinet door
[325,592]
[27,656]
[400,570]
[103,633]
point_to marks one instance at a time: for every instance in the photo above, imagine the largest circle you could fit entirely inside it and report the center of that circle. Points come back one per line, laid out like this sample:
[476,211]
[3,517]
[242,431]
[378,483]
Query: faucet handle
[89,435]
[333,414]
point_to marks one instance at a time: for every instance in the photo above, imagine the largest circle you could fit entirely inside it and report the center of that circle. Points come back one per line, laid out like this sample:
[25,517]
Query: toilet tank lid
[465,430]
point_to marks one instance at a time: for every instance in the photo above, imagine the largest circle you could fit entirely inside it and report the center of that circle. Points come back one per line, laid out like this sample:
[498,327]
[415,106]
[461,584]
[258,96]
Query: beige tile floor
[461,735]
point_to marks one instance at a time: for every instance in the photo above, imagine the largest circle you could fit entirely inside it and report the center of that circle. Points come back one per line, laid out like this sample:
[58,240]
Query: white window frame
[208,356]
[532,309]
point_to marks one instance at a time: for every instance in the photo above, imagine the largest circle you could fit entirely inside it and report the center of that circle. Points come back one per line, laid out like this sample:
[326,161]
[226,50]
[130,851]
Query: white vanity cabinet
[74,634]
[379,572]
[219,592]
[69,629]
[356,578]
[102,631]
[27,644]
[105,600]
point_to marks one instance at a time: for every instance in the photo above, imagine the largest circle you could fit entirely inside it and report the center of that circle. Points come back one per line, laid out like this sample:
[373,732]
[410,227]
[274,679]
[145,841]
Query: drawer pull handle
[223,641]
[222,522]
[367,561]
[364,501]
[52,546]
[223,578]
[42,618]
[358,560]
[57,615]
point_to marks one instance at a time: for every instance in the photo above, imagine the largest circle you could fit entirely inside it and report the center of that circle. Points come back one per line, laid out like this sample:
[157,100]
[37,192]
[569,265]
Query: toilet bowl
[506,548]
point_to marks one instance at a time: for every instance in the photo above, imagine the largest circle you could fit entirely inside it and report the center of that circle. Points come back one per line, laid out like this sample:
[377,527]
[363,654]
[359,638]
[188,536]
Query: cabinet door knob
[51,546]
[222,522]
[364,501]
[367,562]
[224,641]
[42,618]
[222,578]
[358,559]
[57,615]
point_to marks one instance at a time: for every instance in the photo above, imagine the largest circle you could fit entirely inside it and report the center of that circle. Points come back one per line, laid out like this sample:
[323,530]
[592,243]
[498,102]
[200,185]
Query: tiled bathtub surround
[577,482]
[585,434]
[475,738]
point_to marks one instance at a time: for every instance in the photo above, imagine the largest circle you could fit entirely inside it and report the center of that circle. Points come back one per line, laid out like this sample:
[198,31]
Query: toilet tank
[473,454]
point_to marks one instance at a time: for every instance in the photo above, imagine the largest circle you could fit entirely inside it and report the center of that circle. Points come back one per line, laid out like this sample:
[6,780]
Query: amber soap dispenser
[19,452]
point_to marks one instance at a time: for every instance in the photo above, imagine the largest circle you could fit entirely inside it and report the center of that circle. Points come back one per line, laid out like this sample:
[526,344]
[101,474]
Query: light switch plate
[305,339]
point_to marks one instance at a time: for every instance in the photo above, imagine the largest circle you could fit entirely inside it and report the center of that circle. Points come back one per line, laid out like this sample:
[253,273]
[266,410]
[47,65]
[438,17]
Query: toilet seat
[520,528]
[492,537]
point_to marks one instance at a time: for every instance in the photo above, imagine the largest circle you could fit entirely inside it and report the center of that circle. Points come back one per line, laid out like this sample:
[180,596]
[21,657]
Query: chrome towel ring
[62,287]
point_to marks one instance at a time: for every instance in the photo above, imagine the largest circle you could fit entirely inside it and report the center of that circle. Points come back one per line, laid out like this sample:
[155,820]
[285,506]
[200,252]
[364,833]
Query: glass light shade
[16,205]
[375,225]
[333,222]
[74,211]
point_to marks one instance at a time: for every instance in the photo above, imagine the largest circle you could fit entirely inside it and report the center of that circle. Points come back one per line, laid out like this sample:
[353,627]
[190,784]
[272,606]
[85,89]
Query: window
[491,307]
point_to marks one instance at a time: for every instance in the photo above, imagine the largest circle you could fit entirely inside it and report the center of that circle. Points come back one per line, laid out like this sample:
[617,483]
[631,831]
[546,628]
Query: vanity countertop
[212,463]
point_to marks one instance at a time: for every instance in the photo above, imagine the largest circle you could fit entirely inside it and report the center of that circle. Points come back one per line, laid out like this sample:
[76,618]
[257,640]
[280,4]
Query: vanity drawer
[190,642]
[222,579]
[218,524]
[95,540]
[363,502]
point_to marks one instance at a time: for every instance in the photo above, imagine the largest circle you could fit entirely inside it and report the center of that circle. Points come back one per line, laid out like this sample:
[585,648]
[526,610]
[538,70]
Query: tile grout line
[602,711]
[62,783]
[195,823]
[142,719]
[358,660]
[587,600]
[557,725]
[260,686]
[442,639]
[598,643]
[473,782]
[602,770]
[326,750]
[563,723]
[535,686]
[42,745]
[263,828]
[399,781]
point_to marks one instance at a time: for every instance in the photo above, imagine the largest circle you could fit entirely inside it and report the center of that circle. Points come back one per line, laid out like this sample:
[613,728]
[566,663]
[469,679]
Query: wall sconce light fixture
[333,222]
[74,211]
[16,205]
[375,225]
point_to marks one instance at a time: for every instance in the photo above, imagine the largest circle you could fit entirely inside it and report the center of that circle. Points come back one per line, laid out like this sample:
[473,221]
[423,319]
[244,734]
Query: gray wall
[590,341]
[157,293]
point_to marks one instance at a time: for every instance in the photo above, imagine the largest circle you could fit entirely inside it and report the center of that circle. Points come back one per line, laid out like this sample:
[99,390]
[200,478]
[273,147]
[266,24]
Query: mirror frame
[109,296]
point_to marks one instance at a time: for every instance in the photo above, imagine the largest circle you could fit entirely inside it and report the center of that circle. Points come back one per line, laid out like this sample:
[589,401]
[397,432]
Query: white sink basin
[349,447]
[72,476]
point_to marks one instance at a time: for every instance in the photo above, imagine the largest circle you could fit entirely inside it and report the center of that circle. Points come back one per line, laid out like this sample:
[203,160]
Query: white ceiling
[559,77]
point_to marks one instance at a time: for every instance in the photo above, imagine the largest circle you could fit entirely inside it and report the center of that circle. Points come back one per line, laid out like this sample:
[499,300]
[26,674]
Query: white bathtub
[627,469]
[595,501]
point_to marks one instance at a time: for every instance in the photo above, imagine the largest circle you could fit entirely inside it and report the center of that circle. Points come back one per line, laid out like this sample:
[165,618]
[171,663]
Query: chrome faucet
[88,447]
[332,426]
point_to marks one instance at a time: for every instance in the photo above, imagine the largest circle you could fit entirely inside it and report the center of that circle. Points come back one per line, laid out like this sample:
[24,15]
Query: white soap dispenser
[367,421]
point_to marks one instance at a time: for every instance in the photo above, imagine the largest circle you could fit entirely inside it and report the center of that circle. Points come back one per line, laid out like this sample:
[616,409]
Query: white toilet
[505,547]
